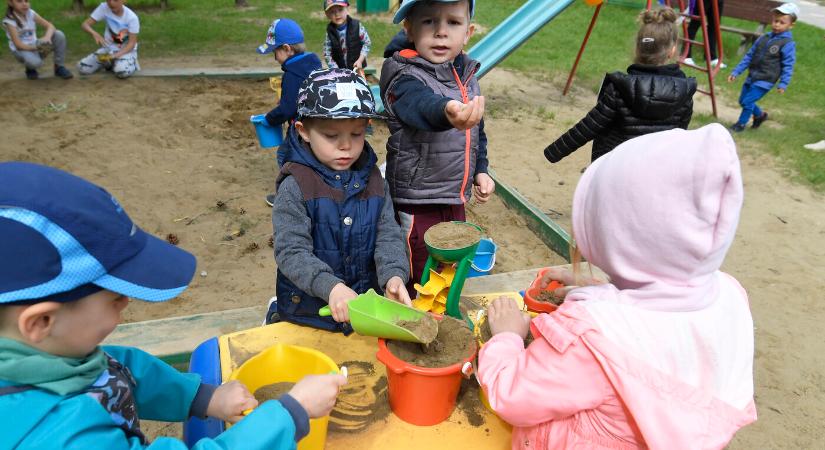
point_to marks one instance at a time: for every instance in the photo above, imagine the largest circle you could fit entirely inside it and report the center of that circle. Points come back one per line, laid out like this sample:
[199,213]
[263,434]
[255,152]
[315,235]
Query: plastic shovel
[374,315]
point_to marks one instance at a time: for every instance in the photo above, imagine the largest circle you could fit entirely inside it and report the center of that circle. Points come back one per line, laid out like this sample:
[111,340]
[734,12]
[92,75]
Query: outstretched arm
[593,124]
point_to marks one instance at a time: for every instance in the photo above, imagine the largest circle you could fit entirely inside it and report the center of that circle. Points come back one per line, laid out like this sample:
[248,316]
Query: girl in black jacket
[652,96]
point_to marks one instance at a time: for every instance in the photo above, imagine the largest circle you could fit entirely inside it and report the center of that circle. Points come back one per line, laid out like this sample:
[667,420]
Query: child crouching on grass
[21,24]
[70,258]
[660,357]
[118,50]
[334,225]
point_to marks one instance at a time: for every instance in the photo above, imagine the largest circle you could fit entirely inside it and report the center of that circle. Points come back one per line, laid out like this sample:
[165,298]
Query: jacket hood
[659,213]
[399,42]
[653,92]
[297,151]
[302,64]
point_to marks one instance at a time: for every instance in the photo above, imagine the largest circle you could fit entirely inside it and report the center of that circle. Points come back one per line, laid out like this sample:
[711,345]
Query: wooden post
[77,5]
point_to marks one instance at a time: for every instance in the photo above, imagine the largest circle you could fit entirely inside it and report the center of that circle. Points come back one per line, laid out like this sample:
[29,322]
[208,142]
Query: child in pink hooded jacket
[660,357]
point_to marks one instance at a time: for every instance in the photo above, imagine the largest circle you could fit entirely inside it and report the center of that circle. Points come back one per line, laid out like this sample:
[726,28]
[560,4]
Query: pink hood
[658,214]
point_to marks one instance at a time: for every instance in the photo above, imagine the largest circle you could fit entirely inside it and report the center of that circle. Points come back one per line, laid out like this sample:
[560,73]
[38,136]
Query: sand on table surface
[171,149]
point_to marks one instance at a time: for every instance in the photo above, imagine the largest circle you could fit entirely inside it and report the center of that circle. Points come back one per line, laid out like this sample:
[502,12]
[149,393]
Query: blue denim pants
[747,99]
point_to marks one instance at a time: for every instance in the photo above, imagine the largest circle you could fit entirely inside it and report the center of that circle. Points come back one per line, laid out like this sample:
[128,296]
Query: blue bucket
[485,258]
[267,136]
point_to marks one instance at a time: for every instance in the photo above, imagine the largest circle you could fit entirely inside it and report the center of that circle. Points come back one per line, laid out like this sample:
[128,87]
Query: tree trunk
[241,3]
[77,5]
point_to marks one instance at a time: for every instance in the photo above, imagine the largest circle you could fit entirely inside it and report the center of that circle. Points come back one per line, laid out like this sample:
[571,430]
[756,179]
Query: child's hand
[339,297]
[781,90]
[396,290]
[731,78]
[229,402]
[464,116]
[358,64]
[317,393]
[504,315]
[99,39]
[483,187]
[568,279]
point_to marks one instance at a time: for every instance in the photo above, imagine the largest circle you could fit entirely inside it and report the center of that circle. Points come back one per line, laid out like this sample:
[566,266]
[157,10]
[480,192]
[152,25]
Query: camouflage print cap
[336,94]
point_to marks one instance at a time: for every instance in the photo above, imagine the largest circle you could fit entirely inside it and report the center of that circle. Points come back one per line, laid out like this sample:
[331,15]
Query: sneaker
[715,62]
[757,121]
[270,199]
[816,146]
[737,127]
[272,315]
[689,61]
[62,72]
[32,74]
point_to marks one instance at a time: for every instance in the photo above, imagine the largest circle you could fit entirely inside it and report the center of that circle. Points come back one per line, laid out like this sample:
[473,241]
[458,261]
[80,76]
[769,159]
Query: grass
[216,27]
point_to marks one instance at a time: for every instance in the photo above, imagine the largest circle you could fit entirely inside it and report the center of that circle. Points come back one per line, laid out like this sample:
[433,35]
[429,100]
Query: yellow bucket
[283,363]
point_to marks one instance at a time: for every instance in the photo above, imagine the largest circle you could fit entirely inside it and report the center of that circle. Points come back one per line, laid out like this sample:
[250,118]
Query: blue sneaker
[737,128]
[62,72]
[32,74]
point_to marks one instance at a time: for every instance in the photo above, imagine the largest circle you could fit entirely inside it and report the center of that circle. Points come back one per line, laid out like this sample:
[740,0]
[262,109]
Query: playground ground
[170,149]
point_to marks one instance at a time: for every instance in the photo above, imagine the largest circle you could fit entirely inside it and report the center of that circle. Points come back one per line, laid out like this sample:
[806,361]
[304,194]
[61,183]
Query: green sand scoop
[373,315]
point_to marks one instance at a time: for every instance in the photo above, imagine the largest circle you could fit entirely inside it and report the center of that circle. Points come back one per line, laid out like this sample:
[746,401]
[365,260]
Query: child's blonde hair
[657,36]
[298,48]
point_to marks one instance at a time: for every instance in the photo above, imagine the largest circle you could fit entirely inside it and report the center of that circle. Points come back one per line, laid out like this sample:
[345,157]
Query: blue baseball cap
[406,6]
[281,32]
[62,238]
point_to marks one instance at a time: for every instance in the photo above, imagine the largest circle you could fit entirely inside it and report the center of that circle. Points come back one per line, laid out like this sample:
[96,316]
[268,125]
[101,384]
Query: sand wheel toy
[452,243]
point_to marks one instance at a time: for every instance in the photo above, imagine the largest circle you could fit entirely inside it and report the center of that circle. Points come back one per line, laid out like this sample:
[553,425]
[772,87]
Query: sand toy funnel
[459,252]
[374,315]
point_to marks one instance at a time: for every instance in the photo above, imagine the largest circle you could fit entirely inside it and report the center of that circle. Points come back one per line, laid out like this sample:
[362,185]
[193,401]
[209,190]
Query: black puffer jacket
[645,100]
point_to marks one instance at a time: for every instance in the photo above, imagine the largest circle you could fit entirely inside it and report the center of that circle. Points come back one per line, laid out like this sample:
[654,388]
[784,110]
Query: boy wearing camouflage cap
[334,224]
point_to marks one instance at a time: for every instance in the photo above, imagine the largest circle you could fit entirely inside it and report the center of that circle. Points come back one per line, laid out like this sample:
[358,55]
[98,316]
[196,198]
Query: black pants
[694,26]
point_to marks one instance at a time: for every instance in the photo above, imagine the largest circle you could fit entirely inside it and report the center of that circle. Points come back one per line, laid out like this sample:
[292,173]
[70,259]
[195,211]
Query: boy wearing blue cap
[437,150]
[335,234]
[769,63]
[285,40]
[347,43]
[70,258]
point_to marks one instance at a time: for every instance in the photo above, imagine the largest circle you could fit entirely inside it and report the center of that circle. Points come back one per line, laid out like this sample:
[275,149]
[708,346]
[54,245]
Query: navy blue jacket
[344,208]
[296,69]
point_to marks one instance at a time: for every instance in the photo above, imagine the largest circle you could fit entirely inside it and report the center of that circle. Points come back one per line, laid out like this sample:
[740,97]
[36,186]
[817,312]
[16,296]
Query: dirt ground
[171,150]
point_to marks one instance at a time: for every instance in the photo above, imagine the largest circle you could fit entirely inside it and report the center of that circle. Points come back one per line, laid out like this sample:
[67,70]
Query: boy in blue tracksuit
[770,59]
[285,40]
[70,258]
[335,234]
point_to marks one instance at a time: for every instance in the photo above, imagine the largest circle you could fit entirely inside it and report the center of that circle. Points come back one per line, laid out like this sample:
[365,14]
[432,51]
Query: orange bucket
[421,395]
[531,296]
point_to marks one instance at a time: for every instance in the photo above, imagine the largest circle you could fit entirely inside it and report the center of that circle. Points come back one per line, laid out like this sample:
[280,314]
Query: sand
[452,236]
[453,344]
[170,149]
[272,391]
[182,158]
